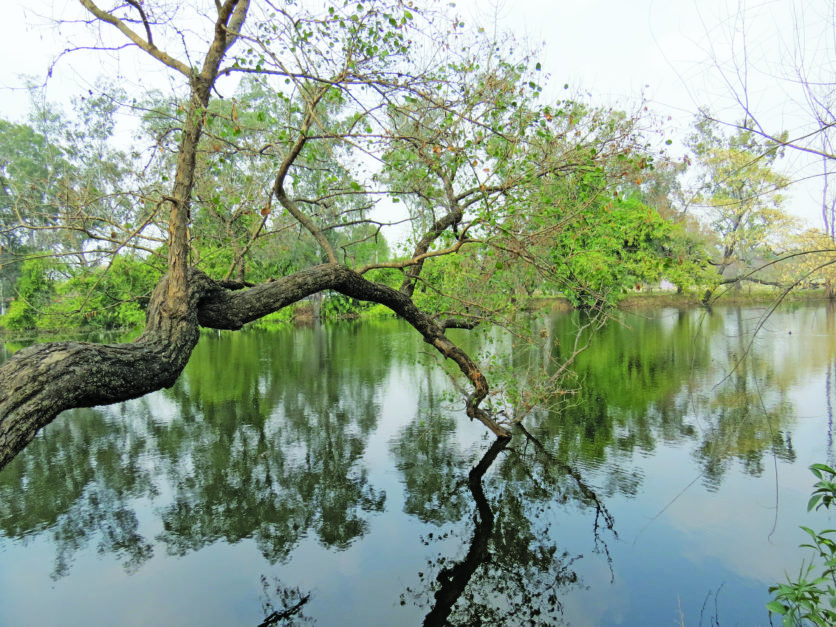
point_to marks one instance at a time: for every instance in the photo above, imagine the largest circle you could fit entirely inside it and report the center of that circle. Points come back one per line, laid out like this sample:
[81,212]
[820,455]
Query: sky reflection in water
[320,470]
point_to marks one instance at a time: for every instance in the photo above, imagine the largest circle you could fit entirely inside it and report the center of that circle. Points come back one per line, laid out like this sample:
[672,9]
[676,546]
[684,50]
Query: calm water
[329,473]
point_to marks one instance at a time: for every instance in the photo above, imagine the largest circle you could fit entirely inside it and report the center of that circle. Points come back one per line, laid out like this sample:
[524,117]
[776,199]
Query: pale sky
[616,50]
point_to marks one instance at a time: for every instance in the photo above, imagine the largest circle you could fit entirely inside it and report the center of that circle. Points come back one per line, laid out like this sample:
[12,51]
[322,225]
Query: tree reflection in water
[270,453]
[453,580]
[79,485]
[513,571]
[275,447]
[283,605]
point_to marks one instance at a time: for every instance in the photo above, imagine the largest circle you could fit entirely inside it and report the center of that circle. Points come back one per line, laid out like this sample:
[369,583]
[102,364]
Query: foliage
[740,195]
[812,260]
[105,298]
[108,298]
[508,195]
[34,171]
[530,194]
[239,233]
[283,316]
[622,245]
[34,288]
[811,596]
[377,312]
[69,217]
[336,305]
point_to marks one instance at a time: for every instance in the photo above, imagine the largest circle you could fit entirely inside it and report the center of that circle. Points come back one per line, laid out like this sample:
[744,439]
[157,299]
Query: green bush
[280,317]
[106,297]
[34,289]
[378,311]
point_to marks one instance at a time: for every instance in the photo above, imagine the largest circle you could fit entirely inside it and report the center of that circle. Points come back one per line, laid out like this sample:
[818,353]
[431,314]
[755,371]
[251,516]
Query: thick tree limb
[200,83]
[40,382]
[231,310]
[179,217]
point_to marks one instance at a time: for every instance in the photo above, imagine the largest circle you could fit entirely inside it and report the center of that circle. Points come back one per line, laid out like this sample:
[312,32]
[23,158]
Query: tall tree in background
[740,197]
[356,104]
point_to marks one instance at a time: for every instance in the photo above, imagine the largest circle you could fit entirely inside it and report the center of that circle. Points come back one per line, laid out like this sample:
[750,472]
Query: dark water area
[327,475]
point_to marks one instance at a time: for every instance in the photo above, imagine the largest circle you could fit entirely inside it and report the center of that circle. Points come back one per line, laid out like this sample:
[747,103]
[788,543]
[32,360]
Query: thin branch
[145,45]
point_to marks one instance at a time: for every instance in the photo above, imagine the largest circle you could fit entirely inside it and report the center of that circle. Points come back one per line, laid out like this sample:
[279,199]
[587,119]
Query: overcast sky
[678,54]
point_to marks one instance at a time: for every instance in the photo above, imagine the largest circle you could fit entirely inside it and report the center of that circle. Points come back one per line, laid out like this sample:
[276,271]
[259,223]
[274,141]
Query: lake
[327,475]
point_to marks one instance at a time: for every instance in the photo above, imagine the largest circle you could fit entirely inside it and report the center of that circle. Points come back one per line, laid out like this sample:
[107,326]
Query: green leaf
[823,468]
[776,607]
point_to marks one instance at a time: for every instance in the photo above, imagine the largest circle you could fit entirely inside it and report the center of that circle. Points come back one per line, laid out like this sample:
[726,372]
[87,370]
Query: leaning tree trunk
[40,382]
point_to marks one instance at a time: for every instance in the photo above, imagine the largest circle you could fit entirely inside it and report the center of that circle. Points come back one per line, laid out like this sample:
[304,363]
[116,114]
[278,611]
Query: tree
[797,85]
[454,131]
[30,171]
[69,204]
[810,262]
[740,195]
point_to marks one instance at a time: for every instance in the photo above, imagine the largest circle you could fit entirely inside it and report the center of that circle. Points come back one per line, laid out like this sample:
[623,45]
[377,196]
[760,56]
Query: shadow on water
[453,580]
[283,605]
[511,572]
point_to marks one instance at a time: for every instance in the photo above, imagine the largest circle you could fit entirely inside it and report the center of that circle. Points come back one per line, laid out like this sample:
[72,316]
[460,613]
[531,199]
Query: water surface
[327,475]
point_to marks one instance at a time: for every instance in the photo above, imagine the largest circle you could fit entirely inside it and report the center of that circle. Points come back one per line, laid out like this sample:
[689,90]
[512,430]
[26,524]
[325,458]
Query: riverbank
[303,313]
[723,296]
[659,299]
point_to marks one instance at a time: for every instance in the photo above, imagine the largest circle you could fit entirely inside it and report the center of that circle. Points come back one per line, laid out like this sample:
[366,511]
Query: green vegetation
[594,236]
[810,597]
[80,241]
[240,199]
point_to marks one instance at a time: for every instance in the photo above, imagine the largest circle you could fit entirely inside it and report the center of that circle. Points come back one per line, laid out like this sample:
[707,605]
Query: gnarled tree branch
[40,382]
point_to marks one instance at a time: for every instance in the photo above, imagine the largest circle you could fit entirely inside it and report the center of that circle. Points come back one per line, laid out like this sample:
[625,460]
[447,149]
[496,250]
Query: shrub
[811,597]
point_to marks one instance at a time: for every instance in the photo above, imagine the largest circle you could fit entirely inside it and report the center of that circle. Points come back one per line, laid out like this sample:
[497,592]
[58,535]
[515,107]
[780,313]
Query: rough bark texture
[40,382]
[179,216]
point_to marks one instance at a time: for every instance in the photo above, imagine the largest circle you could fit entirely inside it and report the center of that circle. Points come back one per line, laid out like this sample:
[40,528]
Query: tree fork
[40,382]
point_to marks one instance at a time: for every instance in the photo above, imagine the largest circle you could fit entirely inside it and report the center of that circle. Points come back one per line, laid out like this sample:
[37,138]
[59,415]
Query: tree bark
[41,381]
